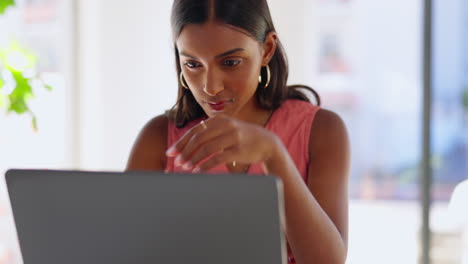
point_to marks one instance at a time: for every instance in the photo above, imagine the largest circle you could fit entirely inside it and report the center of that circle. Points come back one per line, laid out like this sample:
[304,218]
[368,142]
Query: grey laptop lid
[146,217]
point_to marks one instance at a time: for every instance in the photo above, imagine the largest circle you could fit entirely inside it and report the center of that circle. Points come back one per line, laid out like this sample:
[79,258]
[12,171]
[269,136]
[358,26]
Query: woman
[236,114]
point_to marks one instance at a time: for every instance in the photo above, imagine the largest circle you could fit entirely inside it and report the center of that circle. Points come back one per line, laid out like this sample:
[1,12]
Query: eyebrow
[217,56]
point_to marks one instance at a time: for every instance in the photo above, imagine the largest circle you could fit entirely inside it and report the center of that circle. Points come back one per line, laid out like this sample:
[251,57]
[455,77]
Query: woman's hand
[222,140]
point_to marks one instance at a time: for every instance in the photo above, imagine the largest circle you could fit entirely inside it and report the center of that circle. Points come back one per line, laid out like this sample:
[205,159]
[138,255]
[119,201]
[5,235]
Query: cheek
[243,79]
[194,81]
[192,78]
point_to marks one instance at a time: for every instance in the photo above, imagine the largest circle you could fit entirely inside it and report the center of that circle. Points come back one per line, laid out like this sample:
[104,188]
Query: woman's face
[221,66]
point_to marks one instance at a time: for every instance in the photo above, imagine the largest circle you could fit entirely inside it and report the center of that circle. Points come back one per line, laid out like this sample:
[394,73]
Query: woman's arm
[317,213]
[148,152]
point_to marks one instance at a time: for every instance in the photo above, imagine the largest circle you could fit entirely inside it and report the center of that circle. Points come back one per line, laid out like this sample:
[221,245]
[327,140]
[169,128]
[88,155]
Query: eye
[231,63]
[192,64]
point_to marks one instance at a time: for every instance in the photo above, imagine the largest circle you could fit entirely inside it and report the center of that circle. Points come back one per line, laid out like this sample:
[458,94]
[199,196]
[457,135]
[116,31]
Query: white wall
[127,76]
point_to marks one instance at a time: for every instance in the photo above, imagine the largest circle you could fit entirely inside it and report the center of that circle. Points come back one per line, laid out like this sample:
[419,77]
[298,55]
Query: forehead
[213,38]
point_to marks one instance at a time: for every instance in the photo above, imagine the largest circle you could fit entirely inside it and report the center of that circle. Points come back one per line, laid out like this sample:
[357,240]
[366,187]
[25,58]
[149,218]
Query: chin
[213,114]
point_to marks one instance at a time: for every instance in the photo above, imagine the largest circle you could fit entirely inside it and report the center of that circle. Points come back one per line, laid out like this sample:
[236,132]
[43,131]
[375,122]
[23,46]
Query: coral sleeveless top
[291,122]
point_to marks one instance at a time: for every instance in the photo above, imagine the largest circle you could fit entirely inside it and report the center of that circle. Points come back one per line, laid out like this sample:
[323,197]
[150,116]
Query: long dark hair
[252,16]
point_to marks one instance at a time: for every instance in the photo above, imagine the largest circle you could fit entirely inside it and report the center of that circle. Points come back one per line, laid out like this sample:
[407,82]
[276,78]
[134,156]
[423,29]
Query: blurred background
[79,78]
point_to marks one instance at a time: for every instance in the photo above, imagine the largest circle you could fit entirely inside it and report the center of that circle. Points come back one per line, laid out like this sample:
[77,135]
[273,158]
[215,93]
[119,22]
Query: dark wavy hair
[253,16]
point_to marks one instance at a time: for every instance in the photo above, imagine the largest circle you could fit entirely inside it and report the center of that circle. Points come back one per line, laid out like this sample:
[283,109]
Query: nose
[213,84]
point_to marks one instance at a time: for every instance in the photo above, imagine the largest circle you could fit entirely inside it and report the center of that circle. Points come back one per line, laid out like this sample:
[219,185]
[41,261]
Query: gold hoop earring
[268,76]
[181,80]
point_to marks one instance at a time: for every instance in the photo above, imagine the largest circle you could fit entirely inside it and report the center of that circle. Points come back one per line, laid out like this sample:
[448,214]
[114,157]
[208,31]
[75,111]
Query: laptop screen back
[146,217]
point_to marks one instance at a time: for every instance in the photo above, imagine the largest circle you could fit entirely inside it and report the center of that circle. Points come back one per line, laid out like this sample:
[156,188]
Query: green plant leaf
[4,4]
[34,123]
[18,106]
[18,57]
[48,87]
[20,95]
[3,97]
[3,100]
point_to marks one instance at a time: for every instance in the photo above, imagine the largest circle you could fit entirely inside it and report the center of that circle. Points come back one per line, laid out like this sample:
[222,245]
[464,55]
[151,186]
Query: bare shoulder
[328,133]
[148,151]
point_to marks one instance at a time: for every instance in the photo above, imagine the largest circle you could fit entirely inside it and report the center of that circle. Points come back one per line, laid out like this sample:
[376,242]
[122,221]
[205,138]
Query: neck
[255,114]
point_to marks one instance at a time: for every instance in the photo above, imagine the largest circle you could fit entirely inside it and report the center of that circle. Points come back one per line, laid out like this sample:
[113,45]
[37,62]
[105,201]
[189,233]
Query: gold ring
[203,124]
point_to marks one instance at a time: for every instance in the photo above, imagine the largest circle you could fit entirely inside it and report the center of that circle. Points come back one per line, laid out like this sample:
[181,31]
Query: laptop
[76,217]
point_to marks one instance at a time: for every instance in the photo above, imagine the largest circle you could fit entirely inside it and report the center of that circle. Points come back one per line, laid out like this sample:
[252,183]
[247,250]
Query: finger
[227,156]
[199,141]
[213,147]
[216,129]
[177,147]
[212,127]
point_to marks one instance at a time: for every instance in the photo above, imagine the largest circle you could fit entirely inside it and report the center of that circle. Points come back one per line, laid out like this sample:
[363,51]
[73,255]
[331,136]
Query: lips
[219,105]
